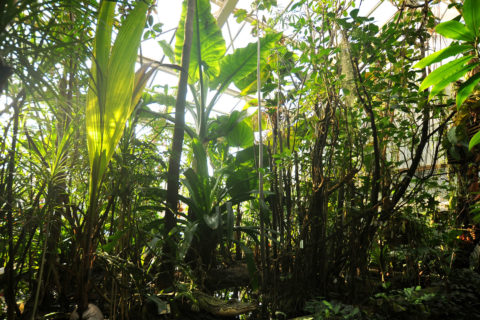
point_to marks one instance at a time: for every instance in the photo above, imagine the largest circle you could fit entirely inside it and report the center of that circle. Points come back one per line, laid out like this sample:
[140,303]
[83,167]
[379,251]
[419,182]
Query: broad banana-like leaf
[242,179]
[243,62]
[223,125]
[242,182]
[250,156]
[114,89]
[210,44]
[241,135]
[248,84]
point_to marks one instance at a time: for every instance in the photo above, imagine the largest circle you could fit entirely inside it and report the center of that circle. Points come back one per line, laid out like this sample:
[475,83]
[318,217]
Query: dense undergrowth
[453,298]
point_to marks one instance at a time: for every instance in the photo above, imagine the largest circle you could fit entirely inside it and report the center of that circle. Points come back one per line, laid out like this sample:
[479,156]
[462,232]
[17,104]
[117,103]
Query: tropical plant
[466,37]
[353,182]
[354,116]
[42,53]
[113,93]
[211,70]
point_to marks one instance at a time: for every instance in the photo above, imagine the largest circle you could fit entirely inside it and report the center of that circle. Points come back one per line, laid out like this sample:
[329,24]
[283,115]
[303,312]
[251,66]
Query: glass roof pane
[382,11]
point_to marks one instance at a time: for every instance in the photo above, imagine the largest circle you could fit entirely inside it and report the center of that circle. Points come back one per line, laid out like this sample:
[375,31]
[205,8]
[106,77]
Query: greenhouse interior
[239,159]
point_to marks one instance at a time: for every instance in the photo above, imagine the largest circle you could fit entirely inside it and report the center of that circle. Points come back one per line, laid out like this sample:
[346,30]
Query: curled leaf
[474,141]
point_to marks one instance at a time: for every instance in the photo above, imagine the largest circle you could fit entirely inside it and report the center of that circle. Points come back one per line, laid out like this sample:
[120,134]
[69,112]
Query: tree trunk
[169,249]
[12,309]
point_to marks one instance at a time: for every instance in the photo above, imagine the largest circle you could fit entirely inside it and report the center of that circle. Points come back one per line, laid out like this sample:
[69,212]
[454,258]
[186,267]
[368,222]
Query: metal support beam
[163,68]
[250,19]
[225,11]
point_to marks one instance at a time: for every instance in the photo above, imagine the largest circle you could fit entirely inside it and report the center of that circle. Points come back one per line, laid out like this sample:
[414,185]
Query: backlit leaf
[112,94]
[442,54]
[444,72]
[240,64]
[212,45]
[451,78]
[471,15]
[455,30]
[167,50]
[241,135]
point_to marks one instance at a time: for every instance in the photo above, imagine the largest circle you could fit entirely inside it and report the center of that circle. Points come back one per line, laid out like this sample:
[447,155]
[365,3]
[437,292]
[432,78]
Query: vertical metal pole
[260,164]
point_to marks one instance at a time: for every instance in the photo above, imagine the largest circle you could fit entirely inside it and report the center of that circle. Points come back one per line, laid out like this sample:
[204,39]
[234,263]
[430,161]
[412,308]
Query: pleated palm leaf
[114,88]
[113,94]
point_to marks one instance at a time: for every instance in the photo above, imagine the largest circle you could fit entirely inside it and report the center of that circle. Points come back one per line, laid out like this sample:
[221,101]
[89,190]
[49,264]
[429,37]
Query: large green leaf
[102,45]
[467,88]
[471,15]
[212,45]
[449,78]
[448,71]
[248,84]
[241,135]
[242,62]
[242,175]
[442,54]
[95,108]
[242,182]
[249,156]
[224,125]
[455,30]
[113,89]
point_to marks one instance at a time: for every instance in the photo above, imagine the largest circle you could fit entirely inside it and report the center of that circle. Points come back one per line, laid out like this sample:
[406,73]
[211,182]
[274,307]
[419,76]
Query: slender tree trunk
[238,249]
[173,184]
[261,199]
[12,309]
